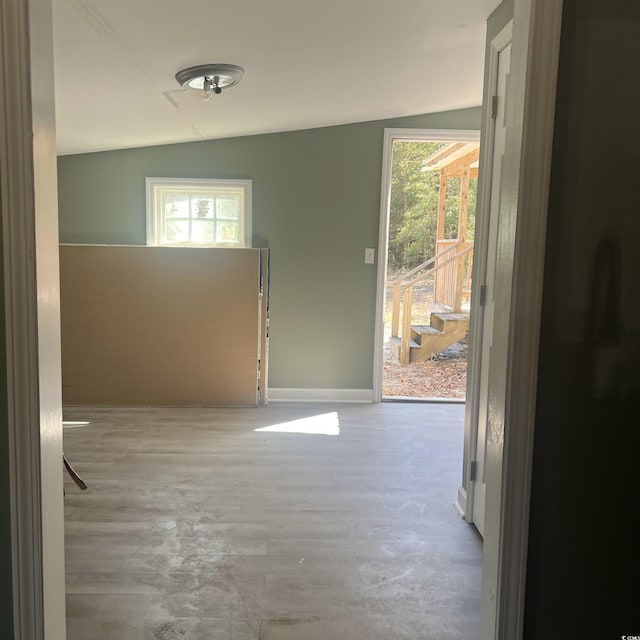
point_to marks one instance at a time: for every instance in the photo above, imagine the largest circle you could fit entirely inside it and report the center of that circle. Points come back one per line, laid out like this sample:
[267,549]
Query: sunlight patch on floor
[325,424]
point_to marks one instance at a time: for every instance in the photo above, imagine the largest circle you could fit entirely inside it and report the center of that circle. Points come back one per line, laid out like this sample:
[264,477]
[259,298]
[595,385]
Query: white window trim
[153,230]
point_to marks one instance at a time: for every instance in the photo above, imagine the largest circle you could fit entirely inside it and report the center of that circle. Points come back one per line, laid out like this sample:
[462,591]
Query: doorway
[427,225]
[512,552]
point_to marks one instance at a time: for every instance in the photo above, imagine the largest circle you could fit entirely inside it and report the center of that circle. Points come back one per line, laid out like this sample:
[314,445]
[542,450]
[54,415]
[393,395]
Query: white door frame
[391,136]
[28,165]
[29,211]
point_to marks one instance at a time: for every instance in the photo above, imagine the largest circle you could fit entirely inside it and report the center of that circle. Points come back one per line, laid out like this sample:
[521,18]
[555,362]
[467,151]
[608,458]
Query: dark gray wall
[6,591]
[584,569]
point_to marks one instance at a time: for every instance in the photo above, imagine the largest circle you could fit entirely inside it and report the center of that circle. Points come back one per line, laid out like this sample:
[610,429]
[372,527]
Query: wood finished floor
[198,527]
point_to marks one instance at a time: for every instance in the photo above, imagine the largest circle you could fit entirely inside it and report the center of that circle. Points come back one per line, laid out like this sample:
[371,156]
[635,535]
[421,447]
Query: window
[198,212]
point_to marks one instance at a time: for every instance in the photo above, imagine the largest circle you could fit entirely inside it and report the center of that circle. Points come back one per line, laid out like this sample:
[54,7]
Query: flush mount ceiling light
[210,78]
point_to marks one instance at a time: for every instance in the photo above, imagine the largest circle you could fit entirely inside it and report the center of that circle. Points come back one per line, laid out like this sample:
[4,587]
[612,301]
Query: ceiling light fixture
[210,78]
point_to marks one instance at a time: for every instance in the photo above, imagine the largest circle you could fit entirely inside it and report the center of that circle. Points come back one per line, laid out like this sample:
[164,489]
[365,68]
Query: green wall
[316,204]
[497,21]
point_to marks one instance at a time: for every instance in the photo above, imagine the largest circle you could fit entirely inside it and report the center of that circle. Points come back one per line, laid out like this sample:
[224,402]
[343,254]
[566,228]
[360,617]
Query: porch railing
[453,265]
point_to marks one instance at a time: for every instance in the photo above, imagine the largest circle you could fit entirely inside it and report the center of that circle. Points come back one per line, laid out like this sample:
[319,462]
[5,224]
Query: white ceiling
[308,63]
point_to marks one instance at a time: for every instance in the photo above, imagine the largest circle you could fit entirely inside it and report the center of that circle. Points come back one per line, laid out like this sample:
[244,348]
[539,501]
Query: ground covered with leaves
[442,376]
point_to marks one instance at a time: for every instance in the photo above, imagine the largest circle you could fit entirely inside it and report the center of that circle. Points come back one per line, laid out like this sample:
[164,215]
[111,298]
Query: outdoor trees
[414,206]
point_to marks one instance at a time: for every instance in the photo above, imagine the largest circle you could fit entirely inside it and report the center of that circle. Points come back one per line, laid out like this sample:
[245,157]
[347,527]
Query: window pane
[176,205]
[227,232]
[228,208]
[202,232]
[176,231]
[202,212]
[202,207]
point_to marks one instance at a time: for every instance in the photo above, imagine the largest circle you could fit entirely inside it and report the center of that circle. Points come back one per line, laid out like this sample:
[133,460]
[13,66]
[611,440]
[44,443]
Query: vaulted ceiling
[308,63]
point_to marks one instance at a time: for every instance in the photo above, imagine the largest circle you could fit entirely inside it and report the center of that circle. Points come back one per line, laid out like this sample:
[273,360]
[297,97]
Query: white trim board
[390,136]
[280,394]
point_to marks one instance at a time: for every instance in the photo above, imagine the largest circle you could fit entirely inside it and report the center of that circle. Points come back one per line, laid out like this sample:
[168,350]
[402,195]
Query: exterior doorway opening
[427,284]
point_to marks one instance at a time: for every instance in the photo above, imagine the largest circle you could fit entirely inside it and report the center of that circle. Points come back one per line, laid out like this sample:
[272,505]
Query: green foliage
[414,206]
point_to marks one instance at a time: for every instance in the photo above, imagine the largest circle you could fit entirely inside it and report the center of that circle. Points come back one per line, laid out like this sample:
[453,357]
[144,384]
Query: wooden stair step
[438,307]
[426,340]
[446,322]
[420,330]
[395,342]
[424,328]
[451,316]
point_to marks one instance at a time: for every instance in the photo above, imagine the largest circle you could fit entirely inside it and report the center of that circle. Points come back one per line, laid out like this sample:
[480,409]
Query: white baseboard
[320,395]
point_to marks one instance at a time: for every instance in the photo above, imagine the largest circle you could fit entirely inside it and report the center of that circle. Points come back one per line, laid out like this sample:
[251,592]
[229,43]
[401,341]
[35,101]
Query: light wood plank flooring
[197,526]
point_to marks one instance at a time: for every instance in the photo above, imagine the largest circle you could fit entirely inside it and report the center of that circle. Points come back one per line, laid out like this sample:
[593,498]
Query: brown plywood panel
[159,326]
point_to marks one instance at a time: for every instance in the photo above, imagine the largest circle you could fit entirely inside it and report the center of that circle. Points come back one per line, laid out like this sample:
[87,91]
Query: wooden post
[465,183]
[440,231]
[458,274]
[468,273]
[395,314]
[405,339]
[442,210]
[463,215]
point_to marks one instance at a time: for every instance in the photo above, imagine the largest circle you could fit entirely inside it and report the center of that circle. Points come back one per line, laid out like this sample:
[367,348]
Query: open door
[486,307]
